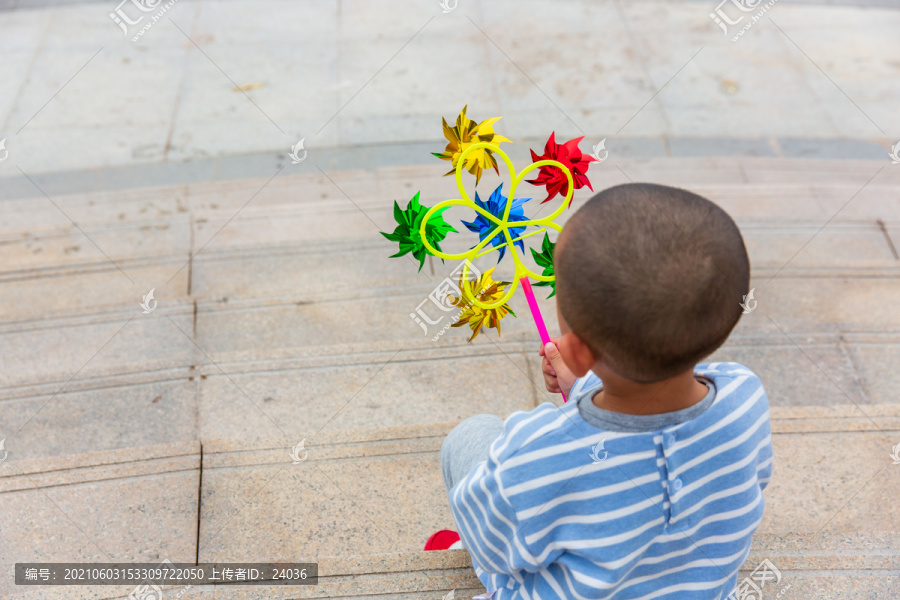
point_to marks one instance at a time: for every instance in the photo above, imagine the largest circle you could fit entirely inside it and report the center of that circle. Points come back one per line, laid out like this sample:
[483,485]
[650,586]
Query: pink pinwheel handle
[538,318]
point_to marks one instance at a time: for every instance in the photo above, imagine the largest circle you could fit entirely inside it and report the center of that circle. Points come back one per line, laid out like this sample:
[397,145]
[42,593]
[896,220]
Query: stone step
[388,182]
[321,318]
[63,246]
[131,505]
[267,268]
[319,204]
[236,389]
[806,571]
[303,232]
[384,491]
[299,211]
[844,243]
[148,382]
[372,496]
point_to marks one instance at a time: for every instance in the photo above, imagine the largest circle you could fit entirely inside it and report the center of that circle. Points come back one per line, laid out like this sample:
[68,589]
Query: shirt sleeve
[487,521]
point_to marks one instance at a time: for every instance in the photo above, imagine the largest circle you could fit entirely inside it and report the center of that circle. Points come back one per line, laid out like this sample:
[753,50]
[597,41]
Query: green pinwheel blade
[407,233]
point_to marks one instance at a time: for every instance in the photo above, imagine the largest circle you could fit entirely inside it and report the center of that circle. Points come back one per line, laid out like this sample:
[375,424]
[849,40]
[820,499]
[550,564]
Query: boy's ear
[576,354]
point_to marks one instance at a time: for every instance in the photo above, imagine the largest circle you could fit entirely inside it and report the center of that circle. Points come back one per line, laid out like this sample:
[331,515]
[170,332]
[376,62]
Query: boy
[648,482]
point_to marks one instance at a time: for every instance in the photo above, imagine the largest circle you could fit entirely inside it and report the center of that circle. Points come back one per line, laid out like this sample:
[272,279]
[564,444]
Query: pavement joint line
[83,480]
[857,378]
[236,513]
[227,376]
[887,238]
[31,418]
[194,254]
[290,365]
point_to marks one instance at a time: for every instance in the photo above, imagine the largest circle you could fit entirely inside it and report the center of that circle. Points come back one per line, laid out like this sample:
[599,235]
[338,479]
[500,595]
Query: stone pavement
[262,338]
[231,86]
[136,435]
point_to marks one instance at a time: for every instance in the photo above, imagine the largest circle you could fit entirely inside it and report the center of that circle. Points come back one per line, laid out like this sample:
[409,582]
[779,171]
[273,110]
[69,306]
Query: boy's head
[650,279]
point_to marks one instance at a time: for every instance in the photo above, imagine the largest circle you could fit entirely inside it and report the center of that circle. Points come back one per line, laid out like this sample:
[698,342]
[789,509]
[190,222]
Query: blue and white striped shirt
[564,509]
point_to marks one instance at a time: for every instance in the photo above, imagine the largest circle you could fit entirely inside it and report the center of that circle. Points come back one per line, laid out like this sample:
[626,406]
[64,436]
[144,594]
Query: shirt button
[677,485]
[670,440]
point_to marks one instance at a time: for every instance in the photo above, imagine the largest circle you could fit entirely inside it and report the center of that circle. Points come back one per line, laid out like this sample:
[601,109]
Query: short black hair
[651,277]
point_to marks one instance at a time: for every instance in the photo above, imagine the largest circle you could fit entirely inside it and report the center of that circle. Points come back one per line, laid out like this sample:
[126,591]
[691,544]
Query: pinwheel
[556,181]
[465,135]
[500,223]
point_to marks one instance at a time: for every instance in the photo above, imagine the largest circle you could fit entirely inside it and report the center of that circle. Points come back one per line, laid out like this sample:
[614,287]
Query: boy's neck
[632,398]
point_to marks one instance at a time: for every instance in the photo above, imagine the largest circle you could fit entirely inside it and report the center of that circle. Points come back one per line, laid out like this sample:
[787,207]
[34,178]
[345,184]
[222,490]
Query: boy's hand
[557,376]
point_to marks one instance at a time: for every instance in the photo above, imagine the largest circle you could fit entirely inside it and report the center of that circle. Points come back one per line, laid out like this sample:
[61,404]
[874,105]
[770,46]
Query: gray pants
[466,445]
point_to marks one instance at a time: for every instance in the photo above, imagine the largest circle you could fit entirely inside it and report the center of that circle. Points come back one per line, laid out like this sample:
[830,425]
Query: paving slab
[111,415]
[265,259]
[816,368]
[366,59]
[391,387]
[792,304]
[300,184]
[354,497]
[29,251]
[95,288]
[812,493]
[252,485]
[65,351]
[876,366]
[129,505]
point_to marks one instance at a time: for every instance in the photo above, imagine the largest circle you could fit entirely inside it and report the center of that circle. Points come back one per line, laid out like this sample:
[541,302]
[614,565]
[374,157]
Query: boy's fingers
[552,354]
[547,368]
